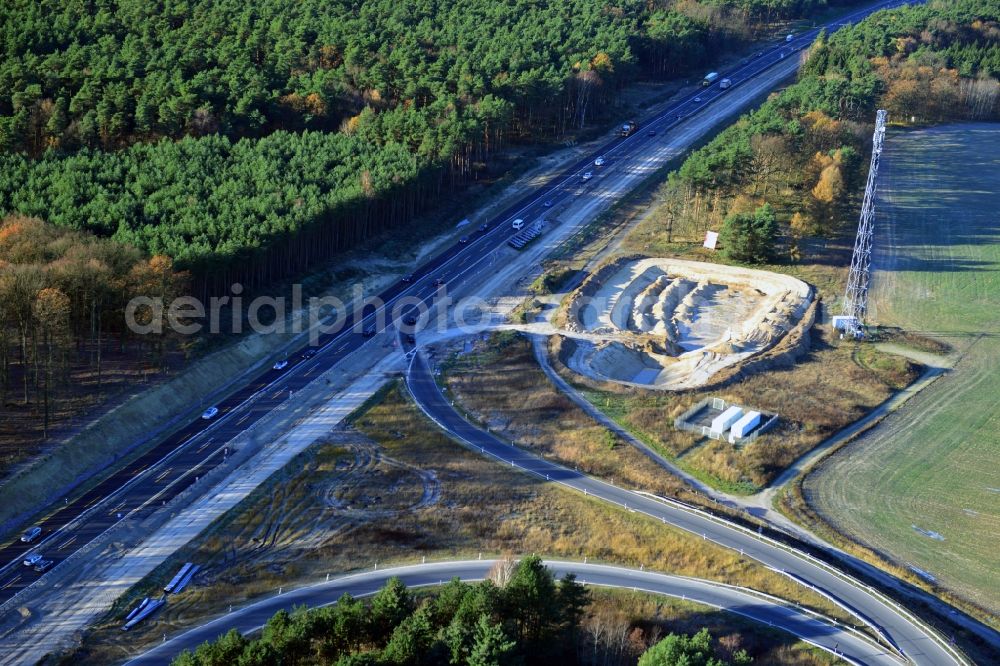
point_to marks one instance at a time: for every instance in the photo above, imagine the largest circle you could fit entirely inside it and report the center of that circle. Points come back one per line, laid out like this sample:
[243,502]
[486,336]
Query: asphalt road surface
[897,627]
[847,643]
[177,461]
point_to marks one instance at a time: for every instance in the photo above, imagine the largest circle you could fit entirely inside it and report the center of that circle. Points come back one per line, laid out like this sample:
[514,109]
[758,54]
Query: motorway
[899,629]
[142,485]
[849,644]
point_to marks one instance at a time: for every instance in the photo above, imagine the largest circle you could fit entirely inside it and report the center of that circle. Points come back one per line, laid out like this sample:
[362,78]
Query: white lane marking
[11,582]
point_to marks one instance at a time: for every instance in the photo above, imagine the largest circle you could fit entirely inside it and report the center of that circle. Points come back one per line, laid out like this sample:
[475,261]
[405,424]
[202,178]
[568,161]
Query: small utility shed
[727,418]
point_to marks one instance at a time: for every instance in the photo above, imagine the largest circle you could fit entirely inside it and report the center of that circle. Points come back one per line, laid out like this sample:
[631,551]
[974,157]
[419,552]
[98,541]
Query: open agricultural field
[924,486]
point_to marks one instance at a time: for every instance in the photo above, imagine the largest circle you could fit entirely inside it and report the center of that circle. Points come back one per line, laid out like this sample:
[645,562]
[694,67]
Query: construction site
[673,324]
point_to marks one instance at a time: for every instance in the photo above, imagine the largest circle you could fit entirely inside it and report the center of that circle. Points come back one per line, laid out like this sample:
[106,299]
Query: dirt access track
[673,324]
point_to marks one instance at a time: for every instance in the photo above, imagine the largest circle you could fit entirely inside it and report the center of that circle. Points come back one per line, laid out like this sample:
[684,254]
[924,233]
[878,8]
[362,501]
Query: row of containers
[717,419]
[150,605]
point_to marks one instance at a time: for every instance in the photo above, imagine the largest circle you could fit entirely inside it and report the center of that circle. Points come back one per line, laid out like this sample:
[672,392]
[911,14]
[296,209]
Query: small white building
[843,322]
[727,418]
[743,426]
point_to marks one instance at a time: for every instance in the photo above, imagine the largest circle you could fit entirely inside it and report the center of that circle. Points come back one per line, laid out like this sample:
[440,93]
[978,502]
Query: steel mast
[856,298]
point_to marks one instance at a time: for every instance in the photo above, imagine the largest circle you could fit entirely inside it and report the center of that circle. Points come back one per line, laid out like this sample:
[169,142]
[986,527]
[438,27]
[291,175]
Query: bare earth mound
[673,324]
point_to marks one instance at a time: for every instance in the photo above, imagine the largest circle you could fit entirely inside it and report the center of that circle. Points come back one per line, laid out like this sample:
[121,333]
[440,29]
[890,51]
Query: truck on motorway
[710,78]
[725,83]
[628,128]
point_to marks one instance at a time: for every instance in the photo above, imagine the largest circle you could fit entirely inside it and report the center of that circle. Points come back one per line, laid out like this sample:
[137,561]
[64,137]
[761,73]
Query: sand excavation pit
[672,324]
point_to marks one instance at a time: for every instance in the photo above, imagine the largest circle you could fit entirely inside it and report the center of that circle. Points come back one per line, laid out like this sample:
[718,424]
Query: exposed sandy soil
[672,324]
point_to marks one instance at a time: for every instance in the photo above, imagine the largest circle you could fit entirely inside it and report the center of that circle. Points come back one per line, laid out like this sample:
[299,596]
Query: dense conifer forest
[304,127]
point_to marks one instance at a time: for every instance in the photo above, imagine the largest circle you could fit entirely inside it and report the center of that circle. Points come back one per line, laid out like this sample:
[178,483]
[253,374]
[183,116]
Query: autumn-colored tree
[62,294]
[51,316]
[801,224]
[830,185]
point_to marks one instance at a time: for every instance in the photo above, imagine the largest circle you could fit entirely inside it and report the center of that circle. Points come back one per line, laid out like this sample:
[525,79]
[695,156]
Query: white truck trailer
[742,428]
[727,418]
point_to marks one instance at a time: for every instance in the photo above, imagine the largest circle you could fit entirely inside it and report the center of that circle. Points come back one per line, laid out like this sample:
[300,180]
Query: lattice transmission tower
[856,298]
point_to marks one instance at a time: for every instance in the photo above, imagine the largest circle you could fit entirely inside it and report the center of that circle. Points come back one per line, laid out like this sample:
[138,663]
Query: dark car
[369,331]
[309,353]
[439,281]
[410,320]
[407,278]
[31,534]
[548,204]
[484,226]
[43,566]
[410,339]
[463,240]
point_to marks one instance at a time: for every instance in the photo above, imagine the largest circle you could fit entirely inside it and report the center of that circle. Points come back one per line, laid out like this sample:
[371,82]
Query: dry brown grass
[500,385]
[833,385]
[483,507]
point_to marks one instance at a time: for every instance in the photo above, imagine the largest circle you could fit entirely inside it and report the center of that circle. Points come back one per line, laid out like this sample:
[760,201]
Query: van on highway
[517,224]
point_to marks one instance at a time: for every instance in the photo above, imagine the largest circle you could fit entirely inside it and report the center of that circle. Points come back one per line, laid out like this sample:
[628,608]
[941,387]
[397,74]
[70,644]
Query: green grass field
[924,486]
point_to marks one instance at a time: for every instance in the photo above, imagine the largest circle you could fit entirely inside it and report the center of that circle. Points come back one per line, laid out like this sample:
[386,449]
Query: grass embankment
[829,388]
[833,385]
[363,497]
[500,386]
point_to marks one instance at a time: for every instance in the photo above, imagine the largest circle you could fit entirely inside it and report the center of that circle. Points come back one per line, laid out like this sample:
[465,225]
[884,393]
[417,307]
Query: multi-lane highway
[174,463]
[852,646]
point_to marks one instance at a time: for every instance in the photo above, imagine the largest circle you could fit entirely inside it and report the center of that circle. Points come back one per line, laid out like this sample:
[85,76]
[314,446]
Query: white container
[743,427]
[727,418]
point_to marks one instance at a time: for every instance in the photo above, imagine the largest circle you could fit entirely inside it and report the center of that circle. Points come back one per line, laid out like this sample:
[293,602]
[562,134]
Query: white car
[518,224]
[697,99]
[588,176]
[210,413]
[789,38]
[281,365]
[599,161]
[33,559]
